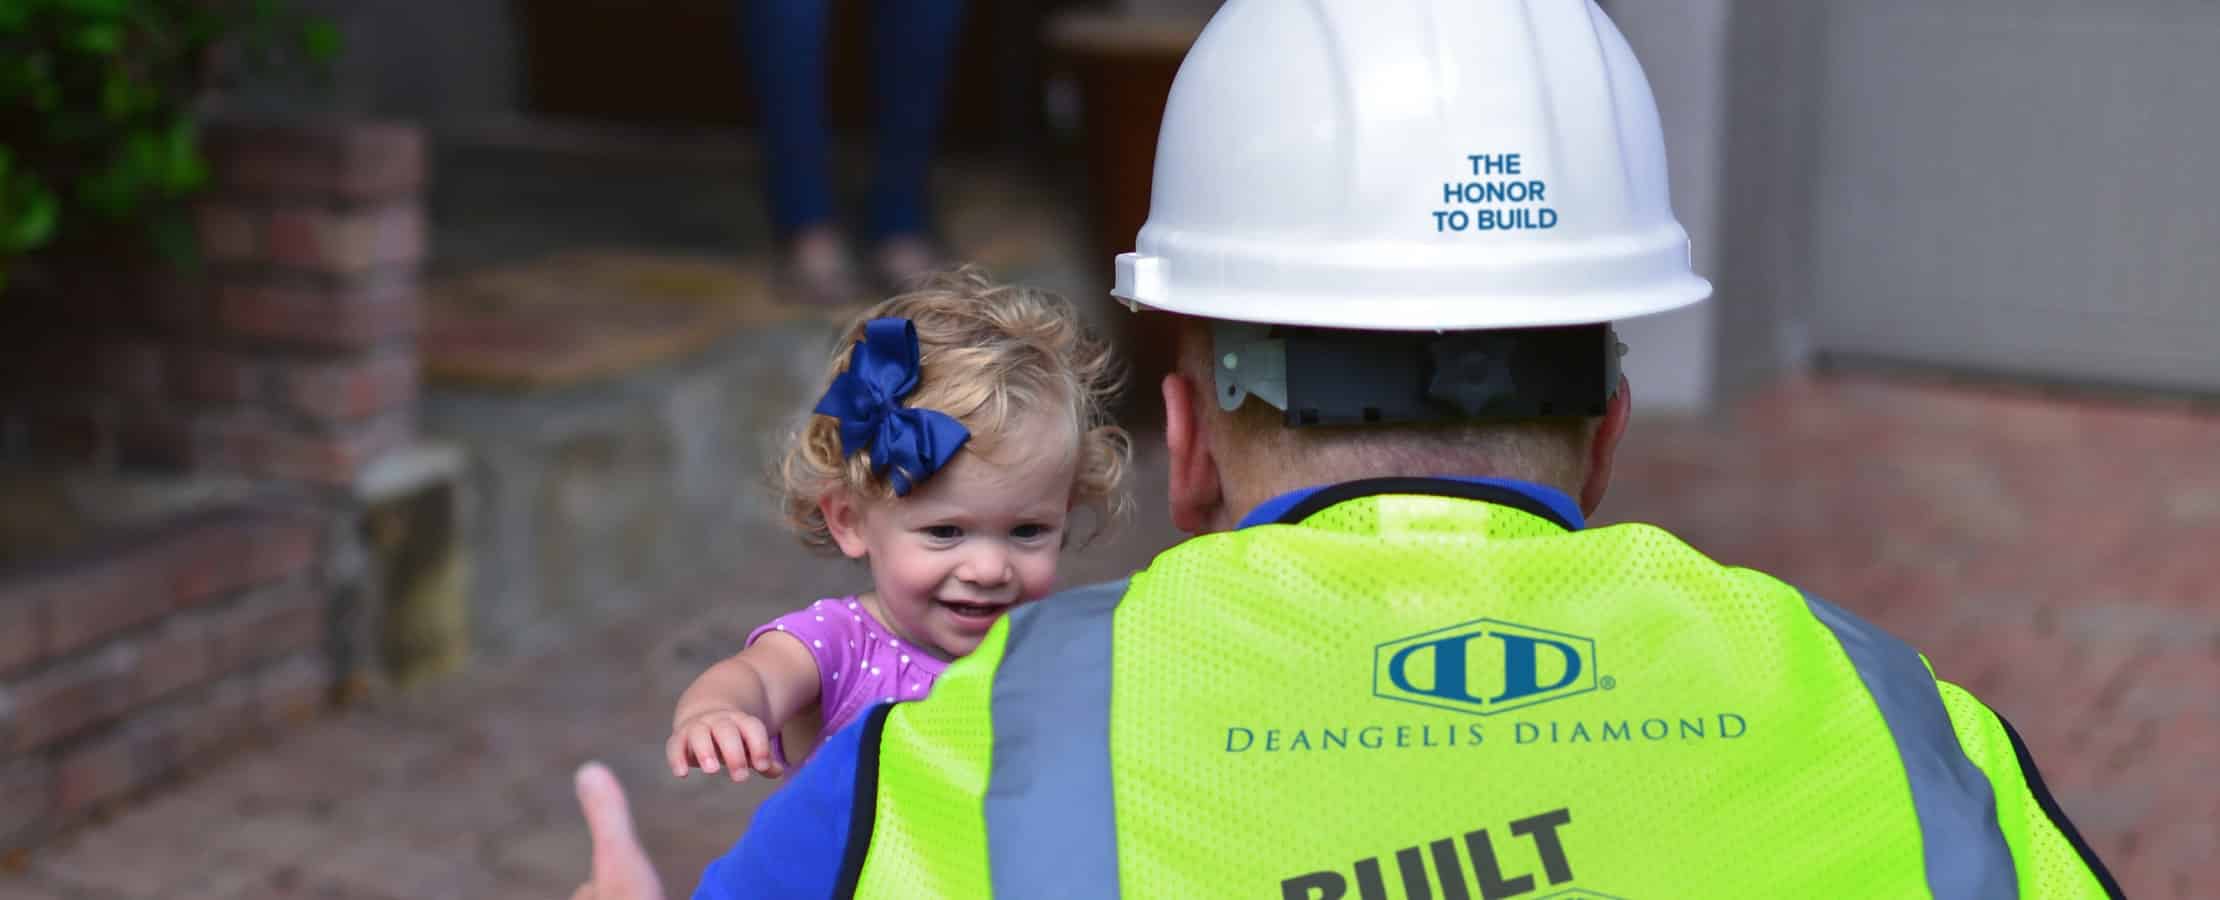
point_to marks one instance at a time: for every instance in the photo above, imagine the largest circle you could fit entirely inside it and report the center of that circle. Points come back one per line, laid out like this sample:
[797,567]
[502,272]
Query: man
[1389,236]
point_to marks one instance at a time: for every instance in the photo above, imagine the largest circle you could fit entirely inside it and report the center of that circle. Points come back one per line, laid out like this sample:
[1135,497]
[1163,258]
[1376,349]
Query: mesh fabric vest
[1407,696]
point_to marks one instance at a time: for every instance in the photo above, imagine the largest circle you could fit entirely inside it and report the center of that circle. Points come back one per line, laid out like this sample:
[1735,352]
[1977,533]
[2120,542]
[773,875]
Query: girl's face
[977,538]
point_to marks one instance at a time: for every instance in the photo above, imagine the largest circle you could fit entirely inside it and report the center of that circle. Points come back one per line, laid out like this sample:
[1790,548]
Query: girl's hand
[724,736]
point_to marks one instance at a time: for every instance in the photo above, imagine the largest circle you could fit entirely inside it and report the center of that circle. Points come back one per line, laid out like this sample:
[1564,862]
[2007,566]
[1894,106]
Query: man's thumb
[608,816]
[620,866]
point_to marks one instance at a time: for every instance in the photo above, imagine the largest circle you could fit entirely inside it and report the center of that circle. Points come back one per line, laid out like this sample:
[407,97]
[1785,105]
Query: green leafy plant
[98,138]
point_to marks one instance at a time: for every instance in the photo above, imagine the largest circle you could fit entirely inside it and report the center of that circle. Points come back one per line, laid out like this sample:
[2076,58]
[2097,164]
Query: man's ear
[1196,494]
[1605,447]
[844,518]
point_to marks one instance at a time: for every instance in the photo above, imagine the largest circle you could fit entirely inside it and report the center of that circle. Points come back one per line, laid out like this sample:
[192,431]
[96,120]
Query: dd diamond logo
[1484,667]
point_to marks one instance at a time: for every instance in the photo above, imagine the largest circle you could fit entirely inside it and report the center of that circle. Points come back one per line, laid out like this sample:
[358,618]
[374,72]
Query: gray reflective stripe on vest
[1051,826]
[1965,850]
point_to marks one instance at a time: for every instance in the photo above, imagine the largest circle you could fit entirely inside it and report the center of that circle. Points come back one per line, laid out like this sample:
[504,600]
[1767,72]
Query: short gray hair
[1549,451]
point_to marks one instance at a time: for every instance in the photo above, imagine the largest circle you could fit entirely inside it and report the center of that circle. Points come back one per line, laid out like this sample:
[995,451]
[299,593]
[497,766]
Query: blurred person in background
[912,42]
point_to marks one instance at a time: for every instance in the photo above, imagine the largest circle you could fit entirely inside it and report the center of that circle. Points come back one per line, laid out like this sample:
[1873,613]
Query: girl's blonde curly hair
[990,356]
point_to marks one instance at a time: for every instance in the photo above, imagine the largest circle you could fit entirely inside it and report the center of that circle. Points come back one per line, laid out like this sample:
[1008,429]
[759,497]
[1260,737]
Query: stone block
[150,438]
[601,516]
[415,543]
[293,690]
[29,786]
[197,559]
[22,630]
[173,656]
[69,697]
[347,242]
[348,388]
[334,161]
[271,622]
[261,444]
[215,718]
[349,314]
[88,600]
[70,436]
[231,232]
[131,369]
[93,773]
[217,377]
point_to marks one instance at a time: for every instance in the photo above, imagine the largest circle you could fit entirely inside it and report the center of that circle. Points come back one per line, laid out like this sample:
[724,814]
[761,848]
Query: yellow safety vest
[1449,695]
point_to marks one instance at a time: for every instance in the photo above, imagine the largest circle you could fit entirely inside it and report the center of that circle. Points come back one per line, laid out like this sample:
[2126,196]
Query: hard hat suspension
[1320,376]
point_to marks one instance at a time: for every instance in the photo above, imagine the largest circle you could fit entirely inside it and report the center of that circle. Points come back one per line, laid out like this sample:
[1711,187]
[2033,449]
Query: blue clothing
[799,838]
[794,846]
[913,48]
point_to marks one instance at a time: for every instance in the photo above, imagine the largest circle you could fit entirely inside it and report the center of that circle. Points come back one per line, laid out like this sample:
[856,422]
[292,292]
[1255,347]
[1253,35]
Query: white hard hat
[1406,165]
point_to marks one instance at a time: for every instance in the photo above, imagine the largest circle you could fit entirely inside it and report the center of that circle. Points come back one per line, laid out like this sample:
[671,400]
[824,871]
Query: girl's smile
[980,537]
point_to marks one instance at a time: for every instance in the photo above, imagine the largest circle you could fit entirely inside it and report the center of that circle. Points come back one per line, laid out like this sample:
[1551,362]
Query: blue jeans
[913,42]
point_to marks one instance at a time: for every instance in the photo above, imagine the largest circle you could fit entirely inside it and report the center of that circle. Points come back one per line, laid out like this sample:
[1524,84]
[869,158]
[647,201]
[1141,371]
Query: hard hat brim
[1470,310]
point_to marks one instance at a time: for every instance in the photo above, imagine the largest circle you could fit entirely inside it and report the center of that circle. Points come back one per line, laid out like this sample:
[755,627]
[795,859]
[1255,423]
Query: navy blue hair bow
[907,444]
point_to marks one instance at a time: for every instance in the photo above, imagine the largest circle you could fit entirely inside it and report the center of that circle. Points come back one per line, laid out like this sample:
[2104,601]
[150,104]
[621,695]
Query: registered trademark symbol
[1610,683]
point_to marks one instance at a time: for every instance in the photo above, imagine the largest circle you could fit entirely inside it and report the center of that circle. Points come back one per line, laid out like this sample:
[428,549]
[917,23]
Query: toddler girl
[962,425]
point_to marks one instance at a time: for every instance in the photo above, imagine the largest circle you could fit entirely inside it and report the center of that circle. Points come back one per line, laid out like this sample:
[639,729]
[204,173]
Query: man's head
[1414,218]
[1225,463]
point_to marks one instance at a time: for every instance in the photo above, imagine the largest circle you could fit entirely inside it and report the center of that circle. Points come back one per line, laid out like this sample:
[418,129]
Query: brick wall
[290,355]
[287,360]
[127,662]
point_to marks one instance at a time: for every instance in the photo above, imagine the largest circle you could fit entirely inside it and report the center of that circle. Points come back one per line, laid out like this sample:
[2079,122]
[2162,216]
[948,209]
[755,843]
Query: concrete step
[619,413]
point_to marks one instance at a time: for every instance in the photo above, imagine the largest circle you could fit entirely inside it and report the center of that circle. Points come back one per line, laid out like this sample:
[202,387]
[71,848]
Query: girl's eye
[1029,532]
[944,532]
